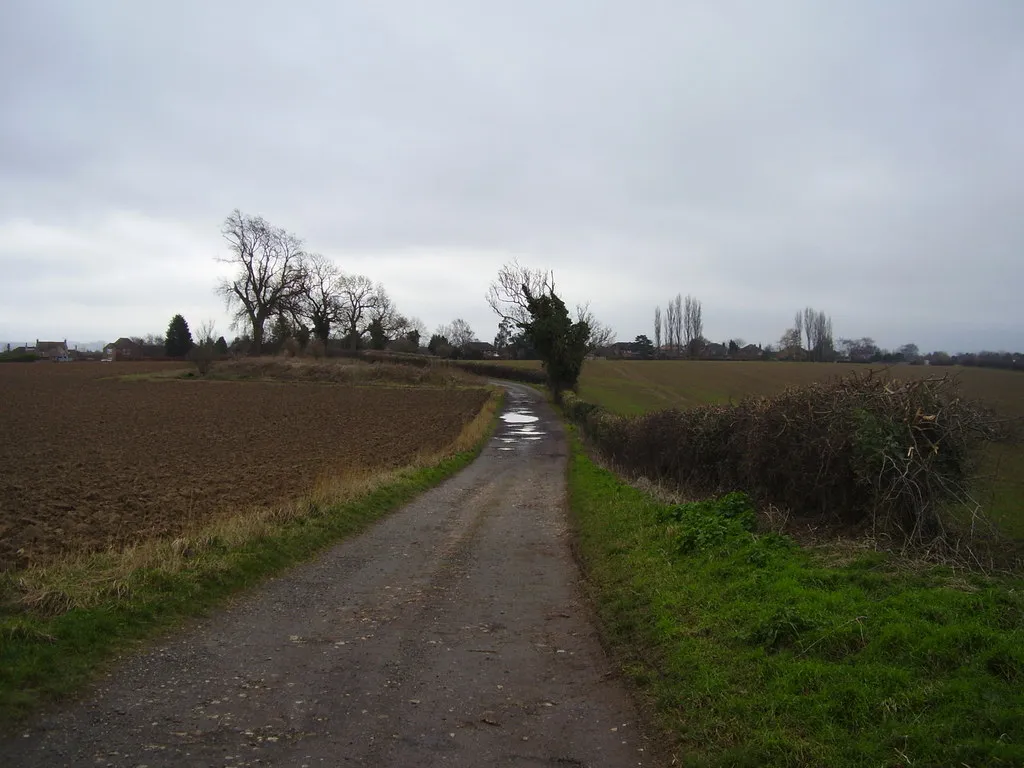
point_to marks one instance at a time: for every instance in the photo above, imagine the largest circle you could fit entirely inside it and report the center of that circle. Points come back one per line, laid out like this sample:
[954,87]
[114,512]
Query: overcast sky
[864,158]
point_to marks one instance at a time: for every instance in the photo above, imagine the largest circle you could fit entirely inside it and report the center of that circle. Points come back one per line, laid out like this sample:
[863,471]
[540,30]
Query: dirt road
[451,633]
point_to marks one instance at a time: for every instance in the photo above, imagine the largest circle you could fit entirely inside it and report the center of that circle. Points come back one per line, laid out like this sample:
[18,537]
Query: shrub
[863,450]
[203,356]
[290,347]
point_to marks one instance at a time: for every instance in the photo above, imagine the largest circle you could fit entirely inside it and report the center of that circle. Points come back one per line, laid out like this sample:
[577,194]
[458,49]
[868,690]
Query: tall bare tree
[790,340]
[356,298]
[270,272]
[670,324]
[458,333]
[320,302]
[657,330]
[798,326]
[818,327]
[600,335]
[506,297]
[674,323]
[385,312]
[693,326]
[206,335]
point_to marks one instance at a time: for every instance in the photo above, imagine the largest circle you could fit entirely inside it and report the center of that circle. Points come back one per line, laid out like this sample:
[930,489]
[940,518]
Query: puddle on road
[520,427]
[514,417]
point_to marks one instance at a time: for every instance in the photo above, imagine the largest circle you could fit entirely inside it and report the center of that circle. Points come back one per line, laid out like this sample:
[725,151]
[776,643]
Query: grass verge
[59,624]
[754,651]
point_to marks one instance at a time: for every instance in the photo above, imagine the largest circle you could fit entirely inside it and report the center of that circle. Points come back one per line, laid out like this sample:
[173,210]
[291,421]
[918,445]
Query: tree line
[678,332]
[683,327]
[304,296]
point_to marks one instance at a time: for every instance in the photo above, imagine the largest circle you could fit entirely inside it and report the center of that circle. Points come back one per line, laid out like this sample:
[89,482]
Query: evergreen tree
[378,336]
[178,341]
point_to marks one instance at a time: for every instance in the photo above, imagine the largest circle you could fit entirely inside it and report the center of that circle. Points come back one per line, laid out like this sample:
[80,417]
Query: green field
[638,386]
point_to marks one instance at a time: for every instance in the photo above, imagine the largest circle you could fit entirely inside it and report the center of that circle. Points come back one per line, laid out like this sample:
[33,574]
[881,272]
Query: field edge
[48,654]
[770,655]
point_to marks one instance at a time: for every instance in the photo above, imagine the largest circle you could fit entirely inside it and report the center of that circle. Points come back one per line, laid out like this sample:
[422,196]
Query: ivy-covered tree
[378,336]
[560,342]
[178,341]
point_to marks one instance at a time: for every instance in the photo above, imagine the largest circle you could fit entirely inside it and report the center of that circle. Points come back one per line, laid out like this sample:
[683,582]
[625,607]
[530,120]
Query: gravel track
[451,633]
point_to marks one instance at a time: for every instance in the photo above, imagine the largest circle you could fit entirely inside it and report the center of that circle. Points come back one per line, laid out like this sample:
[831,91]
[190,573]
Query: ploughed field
[89,460]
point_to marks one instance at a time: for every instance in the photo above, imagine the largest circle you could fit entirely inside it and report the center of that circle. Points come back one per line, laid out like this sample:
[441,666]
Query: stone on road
[451,633]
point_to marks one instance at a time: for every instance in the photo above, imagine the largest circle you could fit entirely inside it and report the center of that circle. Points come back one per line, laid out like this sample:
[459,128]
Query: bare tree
[817,328]
[601,335]
[693,325]
[657,330]
[791,339]
[206,335]
[674,318]
[506,295]
[910,352]
[860,350]
[321,291]
[670,325]
[356,298]
[270,272]
[458,333]
[824,347]
[415,331]
[385,312]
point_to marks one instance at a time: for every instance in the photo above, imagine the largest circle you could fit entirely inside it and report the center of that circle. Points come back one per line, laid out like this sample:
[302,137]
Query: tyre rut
[451,633]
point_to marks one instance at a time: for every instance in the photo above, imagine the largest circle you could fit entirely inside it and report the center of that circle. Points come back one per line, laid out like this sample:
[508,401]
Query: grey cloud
[863,157]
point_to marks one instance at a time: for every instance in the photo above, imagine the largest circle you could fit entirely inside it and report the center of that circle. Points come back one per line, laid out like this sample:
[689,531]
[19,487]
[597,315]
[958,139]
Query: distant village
[136,349]
[61,352]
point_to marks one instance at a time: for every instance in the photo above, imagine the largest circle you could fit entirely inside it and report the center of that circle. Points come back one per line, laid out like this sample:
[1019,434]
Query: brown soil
[452,633]
[89,460]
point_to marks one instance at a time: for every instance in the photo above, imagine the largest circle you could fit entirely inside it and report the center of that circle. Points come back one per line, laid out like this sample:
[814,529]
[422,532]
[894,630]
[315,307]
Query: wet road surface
[451,633]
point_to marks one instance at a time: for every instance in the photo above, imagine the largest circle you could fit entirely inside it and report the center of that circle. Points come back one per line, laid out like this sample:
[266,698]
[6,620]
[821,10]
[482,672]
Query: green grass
[45,656]
[754,651]
[631,387]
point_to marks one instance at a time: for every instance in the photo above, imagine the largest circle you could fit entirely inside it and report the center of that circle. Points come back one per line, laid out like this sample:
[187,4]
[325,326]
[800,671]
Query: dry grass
[87,580]
[341,371]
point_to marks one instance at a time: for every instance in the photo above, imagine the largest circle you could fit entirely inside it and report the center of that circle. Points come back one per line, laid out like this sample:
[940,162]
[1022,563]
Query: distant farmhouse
[479,350]
[128,349]
[54,351]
